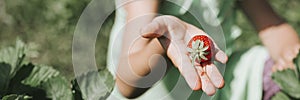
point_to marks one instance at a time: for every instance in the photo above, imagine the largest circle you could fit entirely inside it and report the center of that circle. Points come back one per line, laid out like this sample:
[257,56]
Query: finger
[221,56]
[160,25]
[291,65]
[286,63]
[153,30]
[214,75]
[207,86]
[289,55]
[279,65]
[178,56]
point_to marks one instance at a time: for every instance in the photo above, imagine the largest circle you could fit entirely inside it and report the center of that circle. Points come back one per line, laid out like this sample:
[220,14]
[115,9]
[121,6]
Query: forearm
[260,13]
[134,67]
[136,51]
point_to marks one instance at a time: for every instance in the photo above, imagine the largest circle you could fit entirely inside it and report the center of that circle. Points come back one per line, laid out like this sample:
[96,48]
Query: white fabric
[115,40]
[247,82]
[114,50]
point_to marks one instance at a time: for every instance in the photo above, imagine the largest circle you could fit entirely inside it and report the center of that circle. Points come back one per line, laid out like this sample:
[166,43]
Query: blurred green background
[48,26]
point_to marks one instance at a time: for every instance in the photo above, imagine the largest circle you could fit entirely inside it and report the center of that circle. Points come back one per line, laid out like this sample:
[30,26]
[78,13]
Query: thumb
[153,30]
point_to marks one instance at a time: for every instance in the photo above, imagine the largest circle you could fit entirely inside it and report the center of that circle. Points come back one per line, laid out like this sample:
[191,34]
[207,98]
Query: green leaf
[4,79]
[57,88]
[16,86]
[39,74]
[169,8]
[297,62]
[280,96]
[16,97]
[288,82]
[95,85]
[20,75]
[108,79]
[13,56]
[48,79]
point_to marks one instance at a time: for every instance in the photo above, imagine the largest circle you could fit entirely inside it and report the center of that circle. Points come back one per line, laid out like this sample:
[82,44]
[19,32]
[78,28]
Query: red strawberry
[200,49]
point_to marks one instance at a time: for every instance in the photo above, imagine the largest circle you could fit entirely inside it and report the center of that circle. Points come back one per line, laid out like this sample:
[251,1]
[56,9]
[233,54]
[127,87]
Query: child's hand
[283,44]
[198,76]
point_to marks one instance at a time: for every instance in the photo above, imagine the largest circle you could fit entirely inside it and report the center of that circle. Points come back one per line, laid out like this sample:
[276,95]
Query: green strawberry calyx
[197,52]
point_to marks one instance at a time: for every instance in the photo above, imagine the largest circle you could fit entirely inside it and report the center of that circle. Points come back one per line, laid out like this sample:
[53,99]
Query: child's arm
[138,54]
[136,51]
[280,38]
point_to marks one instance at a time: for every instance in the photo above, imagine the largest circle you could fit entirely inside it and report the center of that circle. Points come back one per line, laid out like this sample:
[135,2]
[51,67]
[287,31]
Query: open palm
[177,34]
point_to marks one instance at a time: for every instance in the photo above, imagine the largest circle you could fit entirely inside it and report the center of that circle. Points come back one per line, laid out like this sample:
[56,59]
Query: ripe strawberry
[200,49]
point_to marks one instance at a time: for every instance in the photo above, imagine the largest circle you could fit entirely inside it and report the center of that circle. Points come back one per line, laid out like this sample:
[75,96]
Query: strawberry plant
[289,83]
[22,80]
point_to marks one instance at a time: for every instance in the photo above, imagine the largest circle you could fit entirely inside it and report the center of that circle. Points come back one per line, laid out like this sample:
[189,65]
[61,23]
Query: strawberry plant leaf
[39,74]
[280,96]
[16,97]
[17,87]
[288,82]
[95,85]
[57,88]
[48,79]
[4,80]
[13,56]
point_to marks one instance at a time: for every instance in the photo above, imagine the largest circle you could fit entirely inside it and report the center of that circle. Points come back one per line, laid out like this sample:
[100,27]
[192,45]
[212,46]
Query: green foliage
[5,68]
[16,97]
[289,82]
[45,82]
[288,9]
[20,77]
[280,96]
[57,88]
[40,74]
[297,63]
[13,56]
[95,85]
[48,79]
[50,23]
